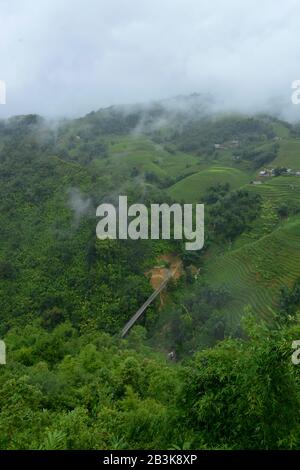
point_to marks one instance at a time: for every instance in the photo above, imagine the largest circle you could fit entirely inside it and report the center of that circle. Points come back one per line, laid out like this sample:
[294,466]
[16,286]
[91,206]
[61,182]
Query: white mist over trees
[68,58]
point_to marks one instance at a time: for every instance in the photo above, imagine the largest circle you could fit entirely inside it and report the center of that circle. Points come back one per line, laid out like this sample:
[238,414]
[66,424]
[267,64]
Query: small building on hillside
[219,146]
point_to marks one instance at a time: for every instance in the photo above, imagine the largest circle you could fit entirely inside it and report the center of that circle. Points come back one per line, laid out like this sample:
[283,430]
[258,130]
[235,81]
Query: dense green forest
[70,381]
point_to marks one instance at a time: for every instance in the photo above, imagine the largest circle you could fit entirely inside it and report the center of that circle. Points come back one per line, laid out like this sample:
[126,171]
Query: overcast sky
[68,57]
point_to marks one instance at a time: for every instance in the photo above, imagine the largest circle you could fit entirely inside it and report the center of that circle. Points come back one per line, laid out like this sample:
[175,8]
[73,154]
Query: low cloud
[68,58]
[80,204]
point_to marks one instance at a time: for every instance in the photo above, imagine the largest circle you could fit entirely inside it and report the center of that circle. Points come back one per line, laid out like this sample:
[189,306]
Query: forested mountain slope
[65,295]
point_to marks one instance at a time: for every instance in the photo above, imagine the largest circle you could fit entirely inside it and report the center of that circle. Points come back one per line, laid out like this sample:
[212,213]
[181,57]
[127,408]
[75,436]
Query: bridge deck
[141,310]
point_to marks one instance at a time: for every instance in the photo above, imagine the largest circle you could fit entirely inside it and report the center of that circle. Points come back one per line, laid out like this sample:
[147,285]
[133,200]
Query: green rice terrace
[260,262]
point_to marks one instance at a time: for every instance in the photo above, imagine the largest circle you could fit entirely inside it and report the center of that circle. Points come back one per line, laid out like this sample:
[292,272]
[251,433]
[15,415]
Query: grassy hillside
[283,189]
[289,154]
[265,258]
[145,154]
[192,188]
[255,272]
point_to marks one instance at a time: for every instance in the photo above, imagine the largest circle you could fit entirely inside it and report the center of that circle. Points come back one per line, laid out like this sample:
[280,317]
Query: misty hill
[66,295]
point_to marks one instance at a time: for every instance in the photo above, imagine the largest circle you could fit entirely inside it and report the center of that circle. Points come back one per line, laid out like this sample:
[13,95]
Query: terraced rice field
[141,153]
[289,154]
[192,188]
[255,272]
[281,189]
